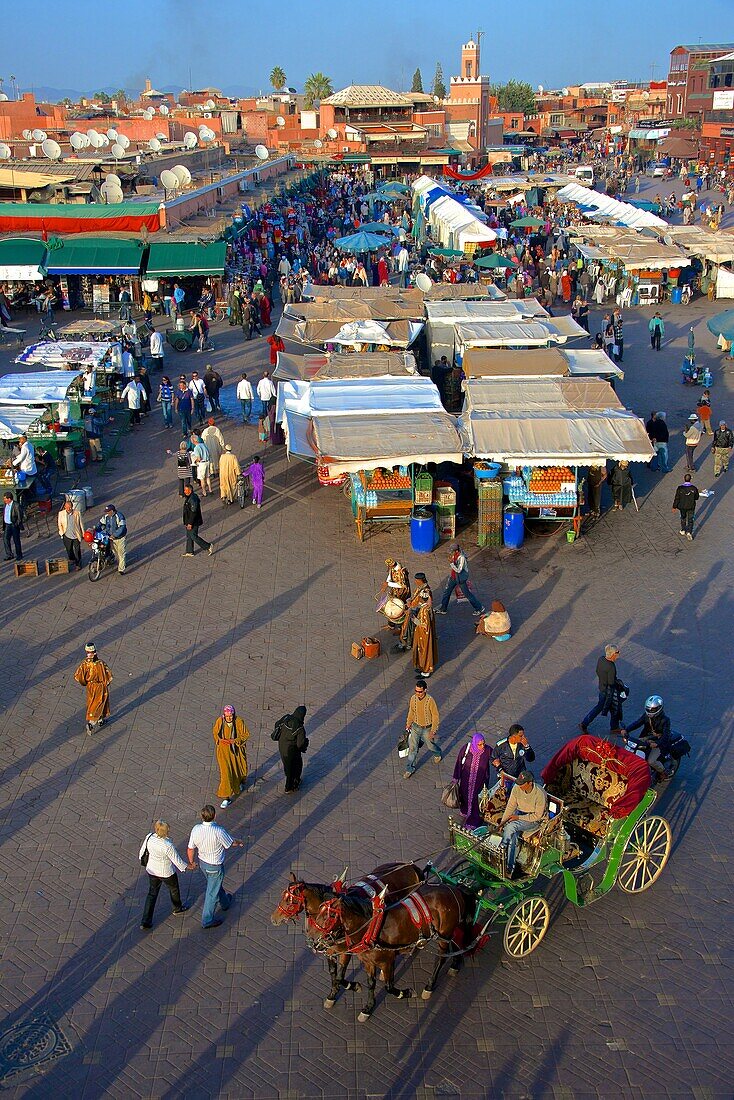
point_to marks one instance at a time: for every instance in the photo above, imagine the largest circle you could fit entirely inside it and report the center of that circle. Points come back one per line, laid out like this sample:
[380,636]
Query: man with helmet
[656,738]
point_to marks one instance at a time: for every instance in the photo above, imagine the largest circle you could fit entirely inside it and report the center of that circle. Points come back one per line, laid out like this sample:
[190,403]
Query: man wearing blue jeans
[421,727]
[211,841]
[524,812]
[459,575]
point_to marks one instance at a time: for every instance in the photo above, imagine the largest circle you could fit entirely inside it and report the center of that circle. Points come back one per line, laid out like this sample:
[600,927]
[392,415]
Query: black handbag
[146,854]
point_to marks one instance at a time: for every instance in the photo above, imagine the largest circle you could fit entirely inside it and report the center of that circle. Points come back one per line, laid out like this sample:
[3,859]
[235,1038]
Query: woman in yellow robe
[230,733]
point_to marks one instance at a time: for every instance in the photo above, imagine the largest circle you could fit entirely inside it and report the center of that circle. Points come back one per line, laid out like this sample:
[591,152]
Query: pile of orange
[382,479]
[550,479]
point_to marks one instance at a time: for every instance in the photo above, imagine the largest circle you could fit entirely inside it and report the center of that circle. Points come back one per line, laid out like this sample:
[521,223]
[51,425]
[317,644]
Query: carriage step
[26,569]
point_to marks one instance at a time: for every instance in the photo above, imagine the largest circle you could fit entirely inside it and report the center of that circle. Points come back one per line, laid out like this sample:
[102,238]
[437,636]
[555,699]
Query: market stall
[91,329]
[443,316]
[360,335]
[539,363]
[77,355]
[323,366]
[518,334]
[542,432]
[714,254]
[55,397]
[382,431]
[632,269]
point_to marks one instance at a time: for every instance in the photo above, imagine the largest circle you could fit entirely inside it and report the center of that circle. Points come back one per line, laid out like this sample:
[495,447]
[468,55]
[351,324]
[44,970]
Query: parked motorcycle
[103,556]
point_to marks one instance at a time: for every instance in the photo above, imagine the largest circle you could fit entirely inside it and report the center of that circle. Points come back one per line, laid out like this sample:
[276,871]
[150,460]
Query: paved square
[630,997]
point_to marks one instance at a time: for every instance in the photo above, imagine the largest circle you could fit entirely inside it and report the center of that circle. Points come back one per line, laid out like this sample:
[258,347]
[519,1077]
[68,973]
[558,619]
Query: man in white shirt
[211,841]
[90,382]
[198,392]
[403,265]
[134,394]
[156,350]
[245,397]
[266,391]
[25,459]
[284,267]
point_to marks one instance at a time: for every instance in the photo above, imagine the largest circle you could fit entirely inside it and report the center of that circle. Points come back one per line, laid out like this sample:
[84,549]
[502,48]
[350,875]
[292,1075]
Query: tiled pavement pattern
[631,997]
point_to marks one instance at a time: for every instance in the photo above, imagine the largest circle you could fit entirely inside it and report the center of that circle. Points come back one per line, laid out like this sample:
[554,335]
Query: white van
[585,174]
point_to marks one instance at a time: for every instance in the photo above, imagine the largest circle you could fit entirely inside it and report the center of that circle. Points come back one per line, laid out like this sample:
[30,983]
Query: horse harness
[367,935]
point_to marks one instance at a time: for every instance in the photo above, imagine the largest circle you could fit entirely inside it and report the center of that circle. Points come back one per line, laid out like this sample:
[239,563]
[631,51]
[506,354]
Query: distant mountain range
[47,94]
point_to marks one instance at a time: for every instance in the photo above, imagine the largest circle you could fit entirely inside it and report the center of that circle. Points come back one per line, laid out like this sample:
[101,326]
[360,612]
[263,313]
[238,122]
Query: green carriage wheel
[526,925]
[645,855]
[179,345]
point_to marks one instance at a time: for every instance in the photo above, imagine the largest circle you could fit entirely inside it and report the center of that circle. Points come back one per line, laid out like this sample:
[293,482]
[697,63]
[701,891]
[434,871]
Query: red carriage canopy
[596,750]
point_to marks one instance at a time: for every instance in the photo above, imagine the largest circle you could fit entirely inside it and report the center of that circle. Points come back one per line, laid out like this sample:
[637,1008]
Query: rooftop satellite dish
[111,193]
[123,140]
[148,113]
[280,121]
[95,139]
[114,179]
[104,141]
[164,108]
[436,99]
[210,105]
[261,152]
[39,135]
[169,180]
[331,134]
[5,151]
[190,139]
[541,89]
[51,149]
[423,282]
[564,91]
[27,135]
[207,114]
[318,144]
[112,134]
[182,174]
[206,135]
[77,141]
[3,97]
[117,151]
[154,145]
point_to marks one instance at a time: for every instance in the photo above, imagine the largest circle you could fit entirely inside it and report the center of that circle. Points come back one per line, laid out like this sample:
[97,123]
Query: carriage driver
[526,808]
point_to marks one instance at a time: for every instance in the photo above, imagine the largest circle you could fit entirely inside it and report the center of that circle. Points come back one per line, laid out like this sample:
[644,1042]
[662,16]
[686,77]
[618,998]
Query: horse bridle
[295,896]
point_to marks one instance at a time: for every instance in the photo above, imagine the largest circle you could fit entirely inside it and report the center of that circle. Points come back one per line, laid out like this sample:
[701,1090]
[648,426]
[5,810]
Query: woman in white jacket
[163,859]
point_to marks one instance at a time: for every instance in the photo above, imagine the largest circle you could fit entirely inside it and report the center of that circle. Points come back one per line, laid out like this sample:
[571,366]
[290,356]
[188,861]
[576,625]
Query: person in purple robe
[472,766]
[256,473]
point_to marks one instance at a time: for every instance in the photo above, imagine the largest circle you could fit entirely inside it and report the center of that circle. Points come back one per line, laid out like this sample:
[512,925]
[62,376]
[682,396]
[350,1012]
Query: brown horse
[298,897]
[428,913]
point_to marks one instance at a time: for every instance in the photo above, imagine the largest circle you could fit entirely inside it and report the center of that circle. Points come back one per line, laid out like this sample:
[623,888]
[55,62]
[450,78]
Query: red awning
[598,751]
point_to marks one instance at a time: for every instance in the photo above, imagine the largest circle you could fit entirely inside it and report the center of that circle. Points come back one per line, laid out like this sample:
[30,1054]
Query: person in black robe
[292,742]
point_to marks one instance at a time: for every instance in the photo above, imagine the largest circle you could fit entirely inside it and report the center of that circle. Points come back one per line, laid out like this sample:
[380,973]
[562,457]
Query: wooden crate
[26,569]
[57,565]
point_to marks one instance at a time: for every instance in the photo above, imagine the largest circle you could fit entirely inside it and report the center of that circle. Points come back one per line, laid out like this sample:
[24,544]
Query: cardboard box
[357,651]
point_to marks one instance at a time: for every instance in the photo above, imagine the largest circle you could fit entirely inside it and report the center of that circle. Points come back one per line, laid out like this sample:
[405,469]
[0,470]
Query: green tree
[439,88]
[277,78]
[417,85]
[120,94]
[317,87]
[515,95]
[102,97]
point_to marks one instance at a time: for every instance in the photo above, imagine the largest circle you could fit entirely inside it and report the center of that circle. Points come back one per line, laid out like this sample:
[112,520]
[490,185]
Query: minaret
[470,60]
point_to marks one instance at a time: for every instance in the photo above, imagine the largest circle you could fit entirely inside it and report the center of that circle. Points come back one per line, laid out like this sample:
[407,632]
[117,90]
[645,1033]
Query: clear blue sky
[235,43]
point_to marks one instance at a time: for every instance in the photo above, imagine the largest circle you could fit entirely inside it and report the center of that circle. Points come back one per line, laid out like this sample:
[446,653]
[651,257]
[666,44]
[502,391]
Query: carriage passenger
[526,808]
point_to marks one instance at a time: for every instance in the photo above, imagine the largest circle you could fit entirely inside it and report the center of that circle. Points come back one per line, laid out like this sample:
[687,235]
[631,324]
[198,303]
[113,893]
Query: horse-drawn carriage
[596,831]
[596,820]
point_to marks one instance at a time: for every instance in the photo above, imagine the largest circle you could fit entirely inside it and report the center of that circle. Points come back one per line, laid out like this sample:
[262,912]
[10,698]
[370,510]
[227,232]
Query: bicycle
[47,330]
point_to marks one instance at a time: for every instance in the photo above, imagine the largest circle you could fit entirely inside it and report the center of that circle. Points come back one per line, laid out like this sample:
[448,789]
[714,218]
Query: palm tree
[317,87]
[277,78]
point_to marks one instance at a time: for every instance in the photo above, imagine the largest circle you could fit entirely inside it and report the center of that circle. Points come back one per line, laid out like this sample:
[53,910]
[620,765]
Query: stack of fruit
[388,479]
[550,479]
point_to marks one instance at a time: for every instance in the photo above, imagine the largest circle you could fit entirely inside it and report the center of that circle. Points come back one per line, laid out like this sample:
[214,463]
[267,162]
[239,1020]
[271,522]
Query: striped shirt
[211,841]
[166,392]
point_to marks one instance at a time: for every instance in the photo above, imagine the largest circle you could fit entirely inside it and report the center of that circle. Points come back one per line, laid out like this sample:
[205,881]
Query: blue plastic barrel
[423,534]
[514,527]
[676,295]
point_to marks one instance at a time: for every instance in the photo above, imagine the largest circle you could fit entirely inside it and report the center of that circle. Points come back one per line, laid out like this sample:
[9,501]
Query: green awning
[22,259]
[94,256]
[186,258]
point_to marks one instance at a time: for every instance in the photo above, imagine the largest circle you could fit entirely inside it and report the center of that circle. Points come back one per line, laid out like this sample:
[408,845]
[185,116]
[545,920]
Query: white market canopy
[320,366]
[16,420]
[623,212]
[360,424]
[542,422]
[397,334]
[502,334]
[513,309]
[44,388]
[538,363]
[70,354]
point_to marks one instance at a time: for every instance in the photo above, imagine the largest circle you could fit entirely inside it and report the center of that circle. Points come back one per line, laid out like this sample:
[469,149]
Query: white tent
[622,212]
[443,316]
[543,422]
[359,424]
[16,419]
[37,389]
[504,334]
